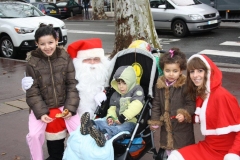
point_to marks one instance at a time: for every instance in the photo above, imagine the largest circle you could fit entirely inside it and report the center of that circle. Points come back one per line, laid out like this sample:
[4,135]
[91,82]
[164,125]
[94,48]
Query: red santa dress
[219,117]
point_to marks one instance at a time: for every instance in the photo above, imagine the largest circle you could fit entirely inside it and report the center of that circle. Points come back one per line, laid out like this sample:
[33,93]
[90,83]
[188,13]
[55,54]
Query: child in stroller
[125,103]
[84,146]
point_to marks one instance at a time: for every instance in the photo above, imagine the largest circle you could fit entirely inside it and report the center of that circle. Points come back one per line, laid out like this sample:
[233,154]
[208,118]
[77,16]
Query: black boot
[160,154]
[55,149]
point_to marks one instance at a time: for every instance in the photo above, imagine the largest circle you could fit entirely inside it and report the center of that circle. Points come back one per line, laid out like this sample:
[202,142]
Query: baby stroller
[145,66]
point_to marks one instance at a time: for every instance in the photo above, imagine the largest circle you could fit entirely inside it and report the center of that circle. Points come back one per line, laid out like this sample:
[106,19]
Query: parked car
[69,8]
[49,9]
[184,16]
[18,24]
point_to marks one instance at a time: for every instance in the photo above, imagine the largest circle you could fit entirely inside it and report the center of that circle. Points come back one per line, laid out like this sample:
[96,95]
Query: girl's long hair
[196,63]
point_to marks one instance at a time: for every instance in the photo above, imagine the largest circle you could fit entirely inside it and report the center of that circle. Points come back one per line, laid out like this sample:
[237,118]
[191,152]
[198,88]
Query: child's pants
[114,129]
[36,136]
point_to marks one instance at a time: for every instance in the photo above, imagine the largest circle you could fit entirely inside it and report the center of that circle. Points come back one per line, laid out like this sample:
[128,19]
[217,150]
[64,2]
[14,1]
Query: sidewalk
[14,110]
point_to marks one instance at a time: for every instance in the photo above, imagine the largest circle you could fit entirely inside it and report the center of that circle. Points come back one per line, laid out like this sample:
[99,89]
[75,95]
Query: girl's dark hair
[45,30]
[196,63]
[174,56]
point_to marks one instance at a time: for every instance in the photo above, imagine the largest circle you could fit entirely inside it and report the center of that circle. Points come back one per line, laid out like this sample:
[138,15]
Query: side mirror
[162,6]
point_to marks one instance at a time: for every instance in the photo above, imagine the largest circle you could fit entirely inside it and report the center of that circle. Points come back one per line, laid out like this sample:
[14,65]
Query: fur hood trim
[161,82]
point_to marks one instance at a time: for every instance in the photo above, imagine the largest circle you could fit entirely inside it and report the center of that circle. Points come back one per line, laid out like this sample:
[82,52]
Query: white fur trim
[231,156]
[202,115]
[94,52]
[198,110]
[197,119]
[56,136]
[175,155]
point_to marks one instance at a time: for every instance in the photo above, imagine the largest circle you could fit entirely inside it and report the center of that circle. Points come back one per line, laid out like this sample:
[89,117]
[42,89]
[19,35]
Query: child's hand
[110,121]
[154,127]
[45,118]
[180,118]
[118,122]
[68,116]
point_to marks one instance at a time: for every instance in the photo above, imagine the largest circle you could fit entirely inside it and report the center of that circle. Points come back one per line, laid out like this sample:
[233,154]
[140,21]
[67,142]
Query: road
[222,45]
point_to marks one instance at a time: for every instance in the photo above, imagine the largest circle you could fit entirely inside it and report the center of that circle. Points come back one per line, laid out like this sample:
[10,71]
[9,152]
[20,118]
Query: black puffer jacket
[54,82]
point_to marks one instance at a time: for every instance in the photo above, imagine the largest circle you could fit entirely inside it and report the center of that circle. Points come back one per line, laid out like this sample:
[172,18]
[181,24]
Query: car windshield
[50,7]
[60,4]
[18,10]
[185,2]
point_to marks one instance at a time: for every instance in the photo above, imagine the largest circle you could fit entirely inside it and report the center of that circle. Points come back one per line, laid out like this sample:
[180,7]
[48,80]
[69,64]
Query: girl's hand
[154,127]
[110,121]
[180,118]
[45,118]
[68,116]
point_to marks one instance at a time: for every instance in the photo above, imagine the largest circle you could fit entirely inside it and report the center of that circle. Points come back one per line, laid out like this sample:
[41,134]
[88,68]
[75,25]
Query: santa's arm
[234,152]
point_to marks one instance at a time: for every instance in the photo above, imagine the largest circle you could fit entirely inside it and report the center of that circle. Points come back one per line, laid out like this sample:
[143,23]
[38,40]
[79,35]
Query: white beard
[91,79]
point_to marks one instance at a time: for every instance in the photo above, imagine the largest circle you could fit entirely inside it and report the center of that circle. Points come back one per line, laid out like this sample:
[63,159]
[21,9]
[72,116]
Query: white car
[184,16]
[18,24]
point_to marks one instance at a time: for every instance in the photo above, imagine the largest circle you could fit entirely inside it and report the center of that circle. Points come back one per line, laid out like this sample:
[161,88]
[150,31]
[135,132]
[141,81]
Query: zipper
[54,90]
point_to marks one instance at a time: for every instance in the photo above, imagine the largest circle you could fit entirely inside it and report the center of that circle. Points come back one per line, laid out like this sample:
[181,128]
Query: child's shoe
[98,136]
[85,123]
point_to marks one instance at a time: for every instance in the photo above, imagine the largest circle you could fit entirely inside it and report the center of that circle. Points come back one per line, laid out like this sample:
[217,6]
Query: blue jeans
[114,128]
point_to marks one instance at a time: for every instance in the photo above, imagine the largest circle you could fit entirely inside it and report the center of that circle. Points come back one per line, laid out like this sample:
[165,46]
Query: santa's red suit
[219,116]
[91,76]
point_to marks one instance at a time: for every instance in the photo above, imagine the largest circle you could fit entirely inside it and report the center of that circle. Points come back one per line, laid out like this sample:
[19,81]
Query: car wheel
[7,48]
[179,28]
[71,14]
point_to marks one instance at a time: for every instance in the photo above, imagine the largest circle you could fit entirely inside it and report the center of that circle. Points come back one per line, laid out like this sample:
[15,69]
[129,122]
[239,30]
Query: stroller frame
[134,55]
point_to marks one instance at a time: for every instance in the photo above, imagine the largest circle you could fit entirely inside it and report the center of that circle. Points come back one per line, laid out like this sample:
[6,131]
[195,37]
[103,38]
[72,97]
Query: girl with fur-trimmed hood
[172,106]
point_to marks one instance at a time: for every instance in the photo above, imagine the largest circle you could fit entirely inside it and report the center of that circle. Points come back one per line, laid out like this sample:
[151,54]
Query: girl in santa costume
[52,90]
[172,108]
[217,111]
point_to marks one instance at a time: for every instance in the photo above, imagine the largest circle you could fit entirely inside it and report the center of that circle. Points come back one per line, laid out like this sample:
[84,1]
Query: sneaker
[85,123]
[98,136]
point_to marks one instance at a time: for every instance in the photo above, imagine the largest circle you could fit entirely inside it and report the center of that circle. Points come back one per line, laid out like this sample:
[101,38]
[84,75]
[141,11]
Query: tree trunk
[133,21]
[98,10]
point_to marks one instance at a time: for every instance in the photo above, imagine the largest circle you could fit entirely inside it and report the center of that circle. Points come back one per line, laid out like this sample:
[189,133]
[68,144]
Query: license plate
[212,22]
[52,11]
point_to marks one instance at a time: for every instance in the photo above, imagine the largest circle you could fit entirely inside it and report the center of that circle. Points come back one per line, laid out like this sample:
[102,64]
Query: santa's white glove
[101,96]
[27,83]
[231,156]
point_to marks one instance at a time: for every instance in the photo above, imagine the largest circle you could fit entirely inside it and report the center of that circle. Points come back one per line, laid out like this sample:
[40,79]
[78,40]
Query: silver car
[184,16]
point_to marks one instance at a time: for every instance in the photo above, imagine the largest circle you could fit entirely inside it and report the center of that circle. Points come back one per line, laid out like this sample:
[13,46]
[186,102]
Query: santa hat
[86,48]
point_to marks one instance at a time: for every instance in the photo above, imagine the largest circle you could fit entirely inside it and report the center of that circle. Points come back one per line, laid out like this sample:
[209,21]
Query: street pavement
[14,110]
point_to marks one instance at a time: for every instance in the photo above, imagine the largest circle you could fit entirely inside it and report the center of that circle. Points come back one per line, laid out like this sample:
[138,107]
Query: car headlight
[195,17]
[64,27]
[21,30]
[217,14]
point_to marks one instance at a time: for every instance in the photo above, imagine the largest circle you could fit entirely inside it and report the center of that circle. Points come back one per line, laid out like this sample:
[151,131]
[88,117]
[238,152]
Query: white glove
[27,83]
[101,96]
[231,156]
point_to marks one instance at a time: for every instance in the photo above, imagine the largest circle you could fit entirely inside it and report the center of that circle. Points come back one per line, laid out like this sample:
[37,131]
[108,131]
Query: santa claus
[91,67]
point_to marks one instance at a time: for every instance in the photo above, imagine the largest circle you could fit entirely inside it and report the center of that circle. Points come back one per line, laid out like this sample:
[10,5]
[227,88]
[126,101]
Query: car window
[156,3]
[185,2]
[17,10]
